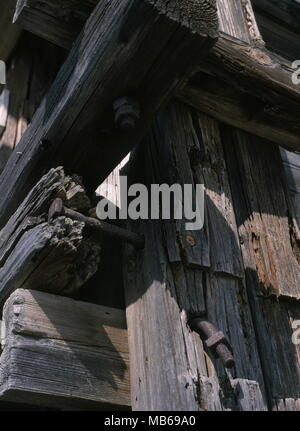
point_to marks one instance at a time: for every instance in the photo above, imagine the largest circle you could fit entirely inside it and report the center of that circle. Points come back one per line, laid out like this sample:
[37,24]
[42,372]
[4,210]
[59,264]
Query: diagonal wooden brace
[135,48]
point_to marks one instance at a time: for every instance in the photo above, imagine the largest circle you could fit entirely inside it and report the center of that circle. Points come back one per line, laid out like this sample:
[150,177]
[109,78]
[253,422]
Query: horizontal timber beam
[253,88]
[143,49]
[62,353]
[57,256]
[50,20]
[250,88]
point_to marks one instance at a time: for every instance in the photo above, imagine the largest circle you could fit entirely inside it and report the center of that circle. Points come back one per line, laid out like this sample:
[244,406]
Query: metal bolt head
[126,113]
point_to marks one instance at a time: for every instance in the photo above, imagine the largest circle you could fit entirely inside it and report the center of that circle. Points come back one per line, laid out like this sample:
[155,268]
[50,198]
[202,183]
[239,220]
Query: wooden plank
[273,321]
[55,257]
[61,26]
[239,395]
[50,20]
[227,306]
[288,404]
[169,150]
[58,256]
[232,19]
[267,229]
[30,72]
[209,167]
[77,111]
[249,88]
[63,353]
[162,293]
[250,17]
[268,238]
[262,99]
[158,334]
[9,33]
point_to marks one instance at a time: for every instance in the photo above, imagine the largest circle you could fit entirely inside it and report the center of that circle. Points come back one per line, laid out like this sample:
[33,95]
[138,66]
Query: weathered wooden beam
[57,22]
[57,256]
[184,273]
[30,73]
[9,32]
[143,49]
[62,353]
[270,233]
[250,88]
[256,92]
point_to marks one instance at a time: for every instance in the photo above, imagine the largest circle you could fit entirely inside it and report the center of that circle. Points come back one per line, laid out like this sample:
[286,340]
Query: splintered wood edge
[198,16]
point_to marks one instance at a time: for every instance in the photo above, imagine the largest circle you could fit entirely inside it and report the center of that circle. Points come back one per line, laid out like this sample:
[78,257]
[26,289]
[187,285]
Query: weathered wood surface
[55,256]
[238,395]
[288,404]
[252,241]
[232,19]
[30,72]
[9,33]
[249,88]
[76,115]
[268,231]
[163,292]
[243,84]
[269,238]
[57,22]
[62,353]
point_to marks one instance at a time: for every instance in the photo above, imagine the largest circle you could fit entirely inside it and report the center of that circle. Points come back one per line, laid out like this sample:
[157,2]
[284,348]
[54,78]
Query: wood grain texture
[30,72]
[210,168]
[237,395]
[61,23]
[58,256]
[77,110]
[56,21]
[63,353]
[170,147]
[250,88]
[269,233]
[269,239]
[232,19]
[163,292]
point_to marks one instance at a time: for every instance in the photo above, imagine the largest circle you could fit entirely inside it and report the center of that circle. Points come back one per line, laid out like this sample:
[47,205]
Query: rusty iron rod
[214,340]
[58,209]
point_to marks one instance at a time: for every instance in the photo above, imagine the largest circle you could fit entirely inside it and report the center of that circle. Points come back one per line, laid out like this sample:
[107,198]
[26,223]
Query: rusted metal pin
[214,340]
[58,209]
